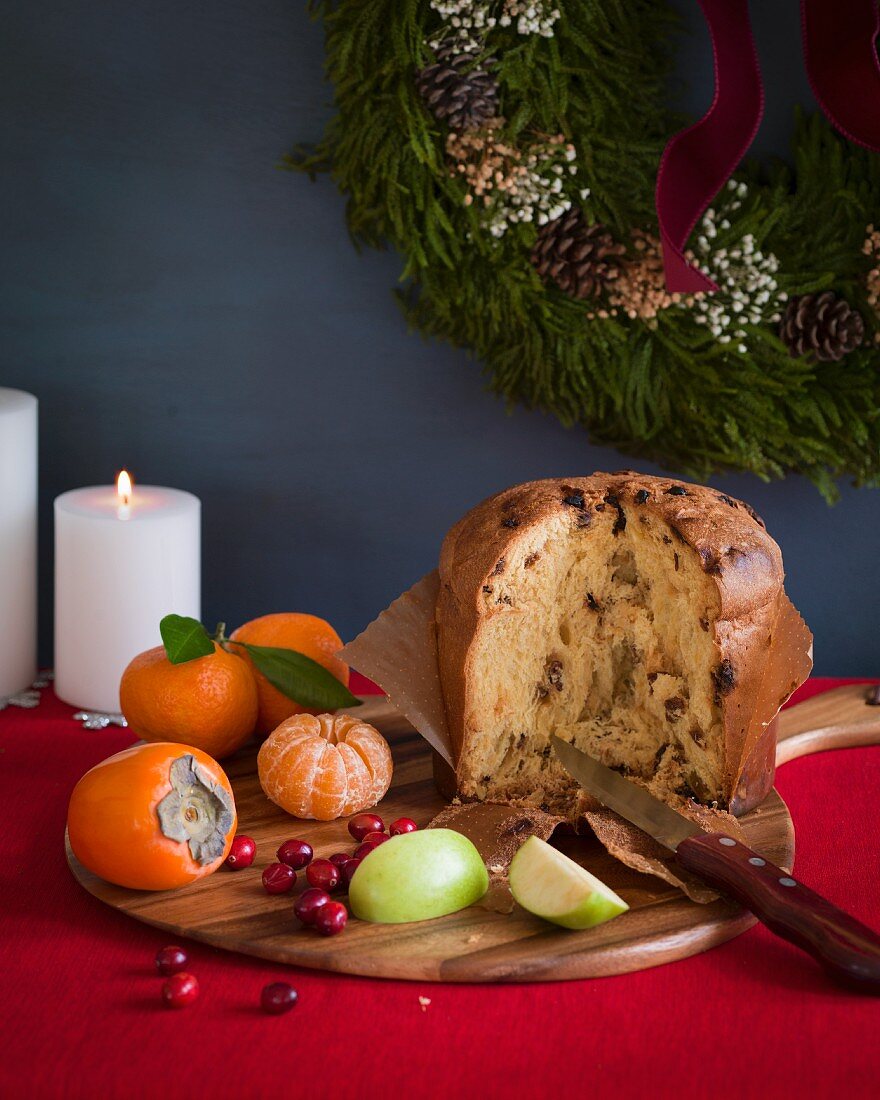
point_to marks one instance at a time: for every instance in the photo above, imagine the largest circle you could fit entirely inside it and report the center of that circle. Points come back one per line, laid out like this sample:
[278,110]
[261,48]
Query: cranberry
[323,874]
[295,853]
[241,854]
[308,903]
[278,878]
[362,852]
[361,824]
[349,869]
[171,960]
[376,838]
[340,859]
[278,998]
[331,918]
[180,990]
[402,825]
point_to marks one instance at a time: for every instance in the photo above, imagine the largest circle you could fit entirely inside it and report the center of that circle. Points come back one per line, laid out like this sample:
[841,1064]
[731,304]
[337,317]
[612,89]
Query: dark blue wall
[181,306]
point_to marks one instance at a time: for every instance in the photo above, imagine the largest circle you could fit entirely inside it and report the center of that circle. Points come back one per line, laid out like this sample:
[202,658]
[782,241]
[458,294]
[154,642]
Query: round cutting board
[232,910]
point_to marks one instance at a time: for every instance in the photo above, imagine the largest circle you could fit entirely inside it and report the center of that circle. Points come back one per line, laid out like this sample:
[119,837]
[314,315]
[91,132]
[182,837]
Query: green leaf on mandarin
[300,678]
[185,639]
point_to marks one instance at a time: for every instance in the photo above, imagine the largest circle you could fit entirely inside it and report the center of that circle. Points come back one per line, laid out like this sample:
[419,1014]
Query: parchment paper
[398,651]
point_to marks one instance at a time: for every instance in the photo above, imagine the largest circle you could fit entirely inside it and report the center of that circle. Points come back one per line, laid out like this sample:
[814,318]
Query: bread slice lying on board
[643,619]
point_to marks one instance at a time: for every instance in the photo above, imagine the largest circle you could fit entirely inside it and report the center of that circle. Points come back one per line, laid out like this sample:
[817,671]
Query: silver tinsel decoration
[30,697]
[98,720]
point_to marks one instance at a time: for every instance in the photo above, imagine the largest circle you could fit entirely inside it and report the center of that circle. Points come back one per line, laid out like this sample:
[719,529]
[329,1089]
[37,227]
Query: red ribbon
[842,65]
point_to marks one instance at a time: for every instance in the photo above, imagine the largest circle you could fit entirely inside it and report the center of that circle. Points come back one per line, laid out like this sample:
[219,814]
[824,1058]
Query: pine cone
[579,258]
[821,326]
[463,97]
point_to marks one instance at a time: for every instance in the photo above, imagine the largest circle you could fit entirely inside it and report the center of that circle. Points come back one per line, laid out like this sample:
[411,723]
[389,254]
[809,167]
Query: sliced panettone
[643,619]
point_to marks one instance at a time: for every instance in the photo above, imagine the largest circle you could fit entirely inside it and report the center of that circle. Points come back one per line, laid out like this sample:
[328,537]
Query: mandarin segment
[324,766]
[368,743]
[307,634]
[360,781]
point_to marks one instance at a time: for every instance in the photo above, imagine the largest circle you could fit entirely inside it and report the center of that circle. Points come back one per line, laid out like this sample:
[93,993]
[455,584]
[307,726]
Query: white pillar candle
[122,562]
[18,540]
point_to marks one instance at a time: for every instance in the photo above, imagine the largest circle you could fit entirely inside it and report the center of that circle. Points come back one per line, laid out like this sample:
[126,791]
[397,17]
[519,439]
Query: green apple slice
[550,885]
[418,876]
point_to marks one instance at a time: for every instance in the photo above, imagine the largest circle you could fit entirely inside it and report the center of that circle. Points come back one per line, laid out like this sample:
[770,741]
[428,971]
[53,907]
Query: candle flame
[123,487]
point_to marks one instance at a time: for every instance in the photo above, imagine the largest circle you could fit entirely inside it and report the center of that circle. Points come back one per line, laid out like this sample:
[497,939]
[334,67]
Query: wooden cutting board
[231,910]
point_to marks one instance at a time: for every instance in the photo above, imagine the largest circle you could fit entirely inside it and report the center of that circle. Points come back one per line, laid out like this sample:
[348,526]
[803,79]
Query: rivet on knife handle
[845,946]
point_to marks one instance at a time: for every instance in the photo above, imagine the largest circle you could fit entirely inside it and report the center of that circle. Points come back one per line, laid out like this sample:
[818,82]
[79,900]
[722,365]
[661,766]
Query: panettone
[643,619]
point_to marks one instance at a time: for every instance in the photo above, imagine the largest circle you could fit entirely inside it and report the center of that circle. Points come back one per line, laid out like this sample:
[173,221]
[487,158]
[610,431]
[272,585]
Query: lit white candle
[124,557]
[18,540]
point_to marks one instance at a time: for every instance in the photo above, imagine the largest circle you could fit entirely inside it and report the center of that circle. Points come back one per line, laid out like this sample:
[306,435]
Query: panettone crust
[762,645]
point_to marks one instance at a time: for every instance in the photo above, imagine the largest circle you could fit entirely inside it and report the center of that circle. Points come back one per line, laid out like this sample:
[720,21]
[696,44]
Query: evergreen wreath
[508,150]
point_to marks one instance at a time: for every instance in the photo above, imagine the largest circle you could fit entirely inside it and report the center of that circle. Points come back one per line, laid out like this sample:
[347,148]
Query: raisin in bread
[643,619]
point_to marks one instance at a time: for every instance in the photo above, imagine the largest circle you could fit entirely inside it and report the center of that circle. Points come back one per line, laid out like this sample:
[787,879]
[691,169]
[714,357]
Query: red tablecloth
[81,1015]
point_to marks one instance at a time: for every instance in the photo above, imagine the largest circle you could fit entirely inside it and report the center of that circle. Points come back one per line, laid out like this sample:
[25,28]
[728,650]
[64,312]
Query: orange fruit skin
[113,826]
[325,766]
[307,634]
[210,702]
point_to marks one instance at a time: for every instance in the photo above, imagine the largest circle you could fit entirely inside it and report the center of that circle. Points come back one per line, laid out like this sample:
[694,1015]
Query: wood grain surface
[231,910]
[838,719]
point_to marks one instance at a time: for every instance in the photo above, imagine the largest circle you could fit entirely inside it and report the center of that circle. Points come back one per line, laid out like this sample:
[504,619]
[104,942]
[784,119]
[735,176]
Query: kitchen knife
[845,946]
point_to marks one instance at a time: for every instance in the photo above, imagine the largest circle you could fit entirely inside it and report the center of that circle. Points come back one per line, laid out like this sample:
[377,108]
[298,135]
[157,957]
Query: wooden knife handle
[845,946]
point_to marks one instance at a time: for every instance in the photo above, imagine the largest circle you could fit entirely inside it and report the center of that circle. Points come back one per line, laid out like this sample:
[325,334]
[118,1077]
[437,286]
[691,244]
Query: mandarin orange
[325,766]
[307,634]
[210,702]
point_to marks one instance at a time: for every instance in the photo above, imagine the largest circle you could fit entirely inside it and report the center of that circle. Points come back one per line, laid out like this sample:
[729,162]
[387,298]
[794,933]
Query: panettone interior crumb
[601,634]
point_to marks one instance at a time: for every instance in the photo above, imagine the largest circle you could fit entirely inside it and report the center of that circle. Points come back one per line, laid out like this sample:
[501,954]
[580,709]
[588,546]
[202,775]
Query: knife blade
[634,803]
[845,947]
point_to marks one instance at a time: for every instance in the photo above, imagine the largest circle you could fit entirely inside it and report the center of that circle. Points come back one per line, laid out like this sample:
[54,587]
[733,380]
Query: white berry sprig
[748,292]
[466,25]
[510,184]
[871,249]
[531,16]
[470,20]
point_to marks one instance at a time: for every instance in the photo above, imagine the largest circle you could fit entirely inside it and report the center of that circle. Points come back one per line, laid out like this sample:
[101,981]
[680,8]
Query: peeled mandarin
[324,766]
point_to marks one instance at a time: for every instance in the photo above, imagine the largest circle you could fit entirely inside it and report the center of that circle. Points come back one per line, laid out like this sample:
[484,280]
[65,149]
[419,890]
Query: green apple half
[554,887]
[417,876]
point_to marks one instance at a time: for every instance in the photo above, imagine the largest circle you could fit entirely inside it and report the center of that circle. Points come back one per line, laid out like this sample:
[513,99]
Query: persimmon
[153,817]
[210,702]
[324,766]
[308,634]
